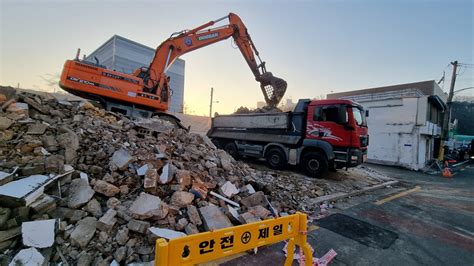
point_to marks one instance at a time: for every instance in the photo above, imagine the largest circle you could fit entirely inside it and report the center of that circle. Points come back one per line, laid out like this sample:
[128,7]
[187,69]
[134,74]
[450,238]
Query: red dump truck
[317,135]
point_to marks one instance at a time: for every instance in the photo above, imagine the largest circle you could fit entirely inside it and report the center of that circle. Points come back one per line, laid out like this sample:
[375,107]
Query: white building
[124,55]
[404,122]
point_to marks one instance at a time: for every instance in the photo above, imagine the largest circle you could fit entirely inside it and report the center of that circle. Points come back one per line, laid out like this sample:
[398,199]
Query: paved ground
[426,220]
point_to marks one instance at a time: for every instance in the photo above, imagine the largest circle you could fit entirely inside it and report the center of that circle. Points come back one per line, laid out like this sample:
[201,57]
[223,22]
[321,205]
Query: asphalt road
[426,220]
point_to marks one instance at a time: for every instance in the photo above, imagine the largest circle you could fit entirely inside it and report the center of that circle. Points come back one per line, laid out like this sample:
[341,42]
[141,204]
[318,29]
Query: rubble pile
[79,185]
[265,109]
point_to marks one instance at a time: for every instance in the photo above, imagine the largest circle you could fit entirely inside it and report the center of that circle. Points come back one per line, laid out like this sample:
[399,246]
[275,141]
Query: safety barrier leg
[161,252]
[302,239]
[290,249]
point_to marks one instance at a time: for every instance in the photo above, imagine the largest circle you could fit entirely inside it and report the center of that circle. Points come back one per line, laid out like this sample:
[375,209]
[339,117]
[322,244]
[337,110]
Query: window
[327,113]
[359,116]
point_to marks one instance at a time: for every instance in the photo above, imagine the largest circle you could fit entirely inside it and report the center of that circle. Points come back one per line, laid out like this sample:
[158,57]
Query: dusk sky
[316,46]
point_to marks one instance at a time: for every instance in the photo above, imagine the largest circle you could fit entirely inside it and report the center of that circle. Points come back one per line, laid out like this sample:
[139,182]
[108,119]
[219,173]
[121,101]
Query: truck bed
[253,121]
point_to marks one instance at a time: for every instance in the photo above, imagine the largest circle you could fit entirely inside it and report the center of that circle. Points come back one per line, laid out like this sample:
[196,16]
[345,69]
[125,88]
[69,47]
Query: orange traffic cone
[446,172]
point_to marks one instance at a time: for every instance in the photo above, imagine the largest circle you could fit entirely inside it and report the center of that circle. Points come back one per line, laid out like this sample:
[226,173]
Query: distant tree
[463,111]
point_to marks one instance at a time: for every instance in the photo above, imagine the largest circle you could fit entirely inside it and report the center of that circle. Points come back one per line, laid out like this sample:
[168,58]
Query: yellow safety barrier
[208,246]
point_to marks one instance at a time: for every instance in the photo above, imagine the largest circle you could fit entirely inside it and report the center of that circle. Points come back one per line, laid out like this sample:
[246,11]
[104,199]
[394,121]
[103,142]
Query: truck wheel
[276,159]
[231,149]
[314,164]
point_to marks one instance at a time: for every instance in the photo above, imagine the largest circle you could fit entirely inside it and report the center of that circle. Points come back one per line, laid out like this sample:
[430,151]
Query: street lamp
[210,104]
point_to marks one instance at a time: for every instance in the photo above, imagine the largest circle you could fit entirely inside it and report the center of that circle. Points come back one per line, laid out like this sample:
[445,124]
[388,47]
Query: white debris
[84,177]
[224,199]
[142,170]
[166,233]
[229,189]
[250,189]
[29,256]
[38,234]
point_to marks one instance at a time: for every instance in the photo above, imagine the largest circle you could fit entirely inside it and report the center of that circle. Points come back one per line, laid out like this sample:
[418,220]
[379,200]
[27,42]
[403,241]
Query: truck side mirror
[343,119]
[366,113]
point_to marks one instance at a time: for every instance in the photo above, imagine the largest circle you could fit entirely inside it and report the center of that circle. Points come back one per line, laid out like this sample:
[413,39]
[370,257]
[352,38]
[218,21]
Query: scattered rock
[84,232]
[29,256]
[229,189]
[181,199]
[165,233]
[80,193]
[38,234]
[93,207]
[181,224]
[191,229]
[122,159]
[213,218]
[193,215]
[107,222]
[122,236]
[147,206]
[138,226]
[106,188]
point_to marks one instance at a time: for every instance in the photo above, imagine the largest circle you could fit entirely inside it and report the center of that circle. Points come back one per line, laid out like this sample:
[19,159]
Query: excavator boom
[148,88]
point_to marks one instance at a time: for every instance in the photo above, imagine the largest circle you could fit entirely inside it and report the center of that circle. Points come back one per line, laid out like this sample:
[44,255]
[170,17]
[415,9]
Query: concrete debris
[23,191]
[106,188]
[250,188]
[122,159]
[122,236]
[142,170]
[248,217]
[166,174]
[37,129]
[29,256]
[191,229]
[39,234]
[165,233]
[5,123]
[84,232]
[229,189]
[7,177]
[213,218]
[80,193]
[151,180]
[107,221]
[147,206]
[181,224]
[193,215]
[43,204]
[93,207]
[254,200]
[181,199]
[138,226]
[259,211]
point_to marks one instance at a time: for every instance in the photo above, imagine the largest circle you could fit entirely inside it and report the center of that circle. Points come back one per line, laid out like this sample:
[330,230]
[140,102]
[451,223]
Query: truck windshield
[359,116]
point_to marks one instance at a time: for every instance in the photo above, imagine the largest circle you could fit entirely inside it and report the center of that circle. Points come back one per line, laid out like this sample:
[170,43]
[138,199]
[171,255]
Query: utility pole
[446,115]
[210,105]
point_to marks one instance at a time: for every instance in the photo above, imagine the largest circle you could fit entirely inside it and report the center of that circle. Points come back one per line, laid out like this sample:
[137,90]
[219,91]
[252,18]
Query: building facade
[124,55]
[404,122]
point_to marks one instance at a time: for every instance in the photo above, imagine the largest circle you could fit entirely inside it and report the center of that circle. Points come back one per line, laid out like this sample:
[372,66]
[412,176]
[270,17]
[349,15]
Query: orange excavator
[147,92]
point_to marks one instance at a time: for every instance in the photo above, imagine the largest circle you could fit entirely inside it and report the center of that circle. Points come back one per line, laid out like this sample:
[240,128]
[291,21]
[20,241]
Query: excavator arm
[156,80]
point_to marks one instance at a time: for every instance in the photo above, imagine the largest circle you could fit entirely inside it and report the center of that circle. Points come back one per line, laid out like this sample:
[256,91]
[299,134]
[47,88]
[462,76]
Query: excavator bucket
[273,88]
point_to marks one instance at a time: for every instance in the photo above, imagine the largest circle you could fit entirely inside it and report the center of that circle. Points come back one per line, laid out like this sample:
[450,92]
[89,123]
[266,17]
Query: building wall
[125,56]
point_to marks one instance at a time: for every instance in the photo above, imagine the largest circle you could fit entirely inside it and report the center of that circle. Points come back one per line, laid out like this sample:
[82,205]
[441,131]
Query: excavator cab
[273,88]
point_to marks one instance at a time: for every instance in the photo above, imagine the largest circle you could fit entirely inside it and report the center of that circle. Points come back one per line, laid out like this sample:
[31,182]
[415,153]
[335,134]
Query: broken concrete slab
[248,217]
[105,188]
[250,189]
[138,226]
[39,234]
[213,218]
[7,177]
[29,256]
[259,211]
[193,215]
[150,181]
[225,159]
[107,221]
[147,206]
[43,204]
[229,189]
[4,215]
[79,193]
[9,234]
[93,207]
[142,170]
[122,159]
[184,178]
[37,129]
[166,174]
[165,233]
[84,232]
[24,191]
[181,224]
[191,229]
[255,199]
[181,199]
[5,123]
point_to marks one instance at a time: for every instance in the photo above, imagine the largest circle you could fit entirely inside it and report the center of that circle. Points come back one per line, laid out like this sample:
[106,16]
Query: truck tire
[314,164]
[276,159]
[231,149]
